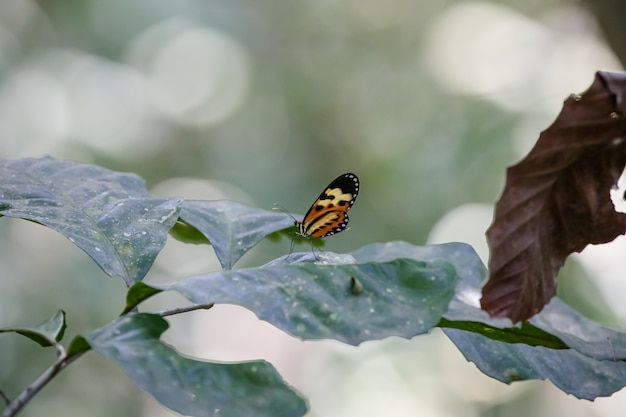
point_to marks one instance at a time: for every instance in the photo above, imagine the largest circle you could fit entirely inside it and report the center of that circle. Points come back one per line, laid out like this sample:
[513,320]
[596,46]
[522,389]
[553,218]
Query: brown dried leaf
[556,200]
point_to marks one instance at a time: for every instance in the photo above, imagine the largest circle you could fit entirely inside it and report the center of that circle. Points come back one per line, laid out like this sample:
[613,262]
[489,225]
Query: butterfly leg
[293,244]
[313,250]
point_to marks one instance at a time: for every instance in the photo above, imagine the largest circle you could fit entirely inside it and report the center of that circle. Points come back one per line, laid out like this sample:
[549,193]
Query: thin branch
[25,396]
[61,353]
[15,406]
[178,310]
[6,399]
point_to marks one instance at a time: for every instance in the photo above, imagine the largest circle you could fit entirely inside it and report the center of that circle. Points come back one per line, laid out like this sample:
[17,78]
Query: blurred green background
[265,102]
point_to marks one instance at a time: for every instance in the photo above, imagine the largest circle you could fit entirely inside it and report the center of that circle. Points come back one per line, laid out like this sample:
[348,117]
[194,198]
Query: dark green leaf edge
[138,293]
[187,233]
[77,346]
[526,334]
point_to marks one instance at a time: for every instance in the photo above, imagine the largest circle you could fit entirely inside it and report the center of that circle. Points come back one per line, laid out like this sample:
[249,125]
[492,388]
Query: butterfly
[329,213]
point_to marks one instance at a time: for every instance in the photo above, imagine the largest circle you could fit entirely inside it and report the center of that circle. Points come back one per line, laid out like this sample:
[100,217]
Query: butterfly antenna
[277,206]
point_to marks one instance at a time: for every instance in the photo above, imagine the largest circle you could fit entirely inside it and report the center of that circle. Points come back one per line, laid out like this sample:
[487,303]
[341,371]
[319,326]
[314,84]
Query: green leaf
[556,327]
[231,227]
[579,356]
[186,233]
[402,297]
[581,334]
[47,333]
[529,334]
[109,215]
[78,345]
[464,312]
[138,293]
[569,370]
[192,387]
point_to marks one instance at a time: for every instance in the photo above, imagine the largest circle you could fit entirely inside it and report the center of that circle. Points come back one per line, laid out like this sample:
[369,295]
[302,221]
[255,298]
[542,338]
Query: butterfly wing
[329,213]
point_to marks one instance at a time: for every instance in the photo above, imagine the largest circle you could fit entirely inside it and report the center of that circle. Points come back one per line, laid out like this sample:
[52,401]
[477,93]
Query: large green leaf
[591,367]
[569,370]
[464,310]
[107,214]
[558,326]
[231,227]
[46,333]
[579,356]
[334,298]
[464,259]
[192,387]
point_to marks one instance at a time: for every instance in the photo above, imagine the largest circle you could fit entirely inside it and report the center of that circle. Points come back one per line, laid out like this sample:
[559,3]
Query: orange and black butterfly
[329,213]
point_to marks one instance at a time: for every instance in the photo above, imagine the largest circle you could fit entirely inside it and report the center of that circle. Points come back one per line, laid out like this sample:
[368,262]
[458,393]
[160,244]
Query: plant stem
[5,398]
[178,310]
[63,360]
[25,396]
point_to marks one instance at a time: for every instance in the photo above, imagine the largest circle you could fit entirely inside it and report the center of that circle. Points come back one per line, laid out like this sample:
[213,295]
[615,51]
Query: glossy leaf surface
[189,386]
[108,214]
[232,228]
[400,297]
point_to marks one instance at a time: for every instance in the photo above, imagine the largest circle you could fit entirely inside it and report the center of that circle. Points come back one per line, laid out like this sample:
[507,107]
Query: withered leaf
[556,200]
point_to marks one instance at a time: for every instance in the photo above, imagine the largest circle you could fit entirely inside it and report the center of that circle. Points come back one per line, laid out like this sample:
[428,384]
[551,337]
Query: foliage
[378,291]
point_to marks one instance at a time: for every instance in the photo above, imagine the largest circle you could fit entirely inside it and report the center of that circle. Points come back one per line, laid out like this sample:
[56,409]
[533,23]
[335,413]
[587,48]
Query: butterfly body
[329,213]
